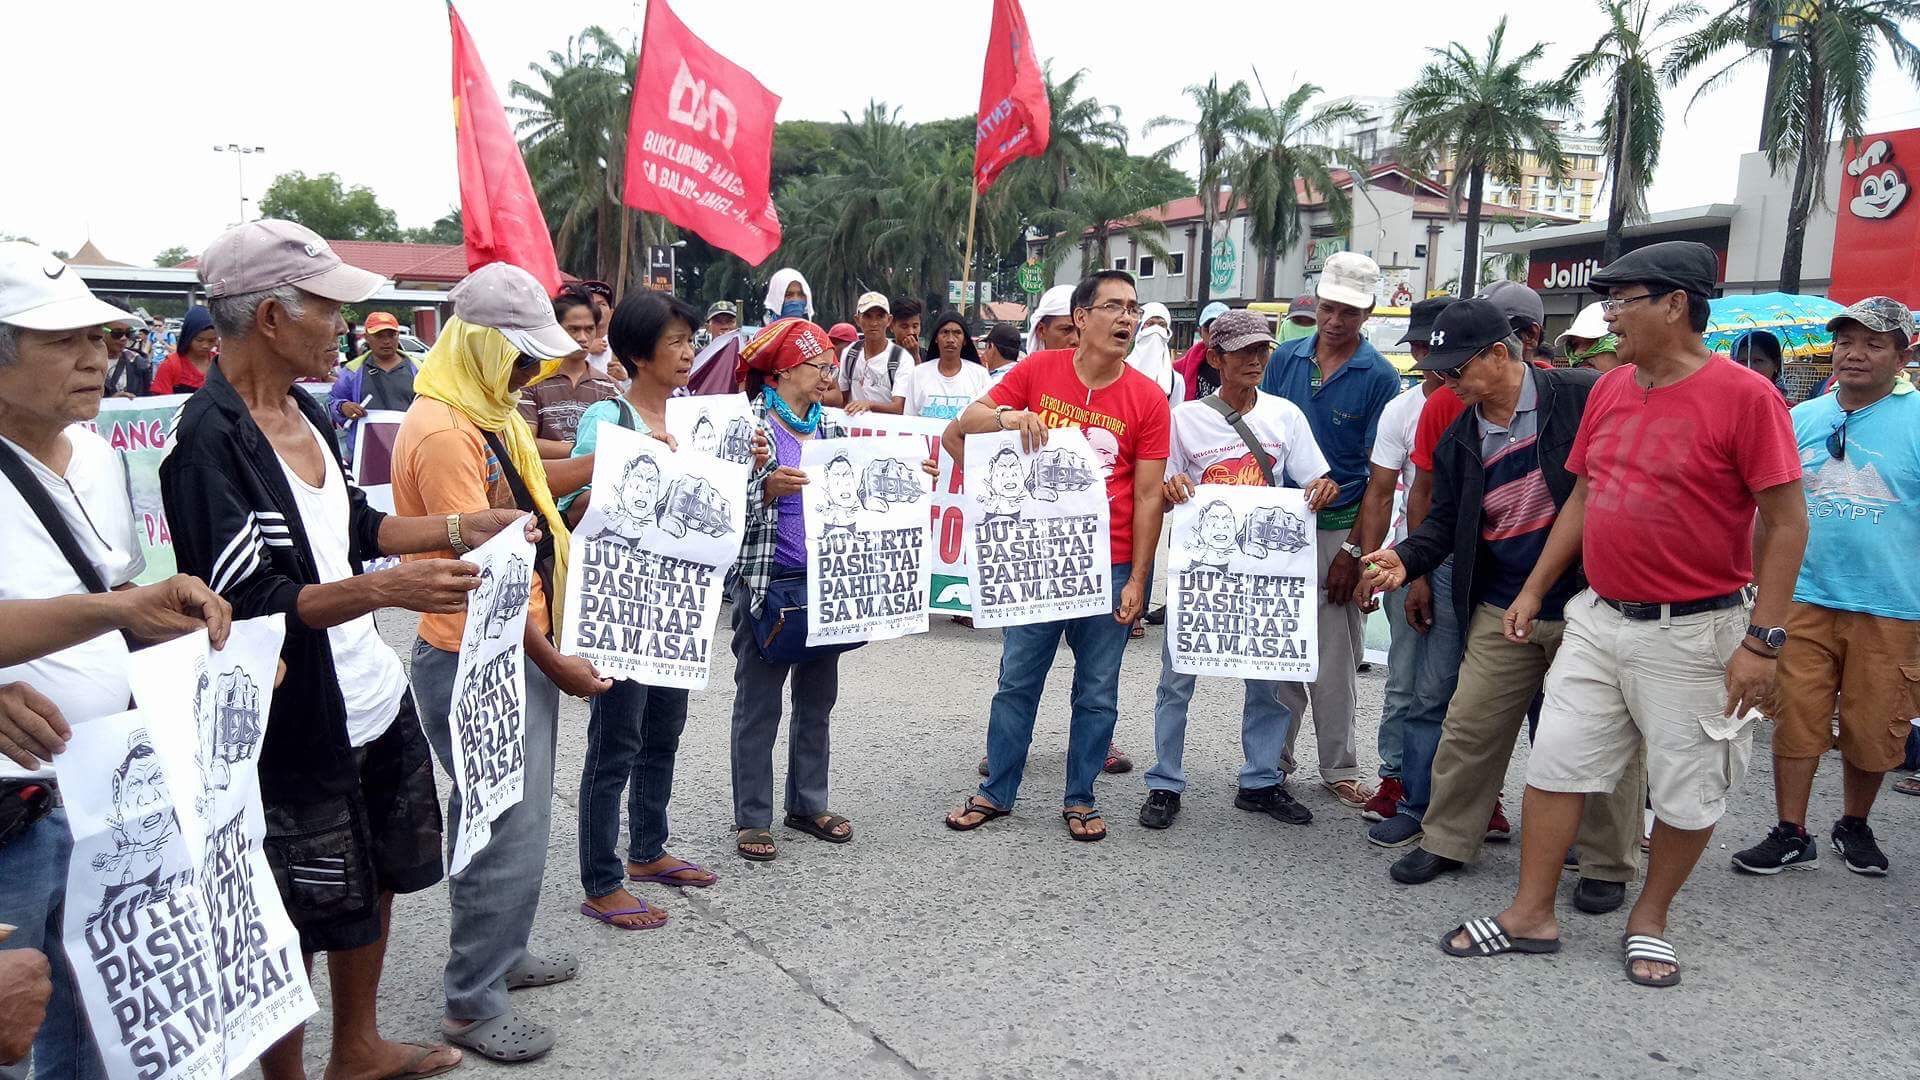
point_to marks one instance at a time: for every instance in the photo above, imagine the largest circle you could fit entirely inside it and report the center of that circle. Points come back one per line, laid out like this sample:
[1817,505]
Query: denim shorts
[333,858]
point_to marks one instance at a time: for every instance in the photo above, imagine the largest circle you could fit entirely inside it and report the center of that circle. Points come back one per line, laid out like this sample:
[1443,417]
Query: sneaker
[1386,800]
[1419,866]
[1158,616]
[1397,831]
[1117,760]
[1275,803]
[1783,850]
[1498,830]
[1160,809]
[1857,849]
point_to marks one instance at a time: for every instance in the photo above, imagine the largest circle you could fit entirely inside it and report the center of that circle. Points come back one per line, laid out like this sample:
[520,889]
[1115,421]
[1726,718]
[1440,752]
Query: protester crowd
[1635,557]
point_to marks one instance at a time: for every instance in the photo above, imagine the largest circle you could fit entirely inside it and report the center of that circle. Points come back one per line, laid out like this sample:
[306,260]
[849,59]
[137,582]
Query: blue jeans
[1438,673]
[1263,731]
[1403,670]
[1026,654]
[494,898]
[633,734]
[33,891]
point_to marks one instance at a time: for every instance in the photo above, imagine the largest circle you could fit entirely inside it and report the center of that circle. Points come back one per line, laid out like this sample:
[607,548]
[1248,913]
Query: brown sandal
[976,805]
[758,838]
[1086,818]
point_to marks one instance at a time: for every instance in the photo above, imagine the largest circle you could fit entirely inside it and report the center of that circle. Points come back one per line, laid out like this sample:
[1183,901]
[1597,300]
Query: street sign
[1031,280]
[977,293]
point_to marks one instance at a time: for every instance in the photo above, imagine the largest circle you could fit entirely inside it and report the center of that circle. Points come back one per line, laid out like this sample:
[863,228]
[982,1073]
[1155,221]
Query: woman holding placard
[787,368]
[633,733]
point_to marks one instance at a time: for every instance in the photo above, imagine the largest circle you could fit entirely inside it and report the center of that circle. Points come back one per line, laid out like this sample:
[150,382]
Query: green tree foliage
[172,256]
[327,206]
[446,230]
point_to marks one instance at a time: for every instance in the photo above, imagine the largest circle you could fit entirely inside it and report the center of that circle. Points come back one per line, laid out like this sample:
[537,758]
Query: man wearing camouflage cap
[1853,633]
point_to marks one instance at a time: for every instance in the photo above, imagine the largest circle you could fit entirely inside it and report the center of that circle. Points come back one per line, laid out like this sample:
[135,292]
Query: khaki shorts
[1869,665]
[1618,682]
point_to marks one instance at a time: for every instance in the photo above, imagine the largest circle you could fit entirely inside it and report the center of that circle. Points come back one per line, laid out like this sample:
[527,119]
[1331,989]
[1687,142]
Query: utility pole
[240,169]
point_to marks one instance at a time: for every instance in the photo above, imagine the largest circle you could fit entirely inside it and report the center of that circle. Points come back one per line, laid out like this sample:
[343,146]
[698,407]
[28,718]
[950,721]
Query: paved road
[1228,946]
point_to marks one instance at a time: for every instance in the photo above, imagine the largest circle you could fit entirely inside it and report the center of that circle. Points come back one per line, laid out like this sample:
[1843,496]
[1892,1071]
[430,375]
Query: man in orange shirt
[465,447]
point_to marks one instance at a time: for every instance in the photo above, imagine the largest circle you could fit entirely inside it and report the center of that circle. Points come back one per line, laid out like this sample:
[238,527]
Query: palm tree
[1629,59]
[1080,124]
[1285,157]
[1824,52]
[1221,120]
[1484,116]
[1100,209]
[573,133]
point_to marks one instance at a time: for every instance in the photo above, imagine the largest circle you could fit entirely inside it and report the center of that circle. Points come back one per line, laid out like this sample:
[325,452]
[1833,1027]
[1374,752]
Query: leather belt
[1649,612]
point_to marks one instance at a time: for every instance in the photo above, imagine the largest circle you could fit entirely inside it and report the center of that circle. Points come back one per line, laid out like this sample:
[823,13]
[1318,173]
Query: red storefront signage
[1570,268]
[1876,235]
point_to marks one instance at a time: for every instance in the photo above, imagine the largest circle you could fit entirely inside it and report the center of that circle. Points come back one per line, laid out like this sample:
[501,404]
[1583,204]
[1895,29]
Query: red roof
[440,263]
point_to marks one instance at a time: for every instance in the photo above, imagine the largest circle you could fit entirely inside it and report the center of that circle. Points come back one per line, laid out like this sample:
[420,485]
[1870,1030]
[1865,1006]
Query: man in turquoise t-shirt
[1853,637]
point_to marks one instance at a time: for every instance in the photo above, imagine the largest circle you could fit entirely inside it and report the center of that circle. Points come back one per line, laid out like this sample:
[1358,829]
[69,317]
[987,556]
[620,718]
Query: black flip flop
[1085,818]
[1488,938]
[975,805]
[1649,949]
[808,825]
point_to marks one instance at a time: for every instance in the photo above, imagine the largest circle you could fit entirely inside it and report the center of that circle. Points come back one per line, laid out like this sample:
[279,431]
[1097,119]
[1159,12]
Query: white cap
[1349,278]
[870,300]
[508,299]
[1590,325]
[39,291]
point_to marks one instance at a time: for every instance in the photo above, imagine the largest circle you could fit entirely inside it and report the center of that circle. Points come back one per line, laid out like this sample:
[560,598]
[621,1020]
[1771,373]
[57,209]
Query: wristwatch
[1353,549]
[454,540]
[1773,637]
[1000,416]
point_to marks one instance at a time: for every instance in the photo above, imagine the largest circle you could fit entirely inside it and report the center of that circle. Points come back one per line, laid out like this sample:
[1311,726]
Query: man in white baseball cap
[872,368]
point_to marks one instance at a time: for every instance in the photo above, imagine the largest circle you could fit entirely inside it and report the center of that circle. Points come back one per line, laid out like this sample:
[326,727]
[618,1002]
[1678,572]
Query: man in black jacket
[1500,478]
[259,505]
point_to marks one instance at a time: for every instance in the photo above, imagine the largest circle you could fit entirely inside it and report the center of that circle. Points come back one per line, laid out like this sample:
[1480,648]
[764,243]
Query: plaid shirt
[763,518]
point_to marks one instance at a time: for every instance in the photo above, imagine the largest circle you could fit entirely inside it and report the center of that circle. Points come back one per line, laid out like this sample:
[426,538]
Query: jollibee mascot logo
[1883,185]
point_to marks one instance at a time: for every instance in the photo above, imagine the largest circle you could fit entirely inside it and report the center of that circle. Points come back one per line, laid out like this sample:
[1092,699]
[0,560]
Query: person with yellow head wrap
[465,446]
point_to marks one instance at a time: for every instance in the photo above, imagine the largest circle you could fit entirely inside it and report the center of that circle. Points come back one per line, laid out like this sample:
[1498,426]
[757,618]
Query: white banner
[869,538]
[372,458]
[1037,529]
[1242,584]
[489,713]
[716,424]
[650,558]
[950,589]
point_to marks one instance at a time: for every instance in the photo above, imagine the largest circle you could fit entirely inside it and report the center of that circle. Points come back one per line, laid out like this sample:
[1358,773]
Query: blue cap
[1213,311]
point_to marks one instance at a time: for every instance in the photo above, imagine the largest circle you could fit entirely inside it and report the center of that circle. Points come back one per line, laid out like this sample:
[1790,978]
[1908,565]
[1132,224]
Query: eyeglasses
[1113,309]
[1453,374]
[117,332]
[1613,307]
[1837,442]
[824,371]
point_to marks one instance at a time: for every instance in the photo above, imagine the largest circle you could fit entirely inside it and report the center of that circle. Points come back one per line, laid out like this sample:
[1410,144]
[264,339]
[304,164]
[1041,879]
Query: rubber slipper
[1908,785]
[1649,949]
[1086,818]
[411,1069]
[668,877]
[539,971]
[506,1038]
[1489,938]
[756,837]
[820,830]
[607,917]
[976,805]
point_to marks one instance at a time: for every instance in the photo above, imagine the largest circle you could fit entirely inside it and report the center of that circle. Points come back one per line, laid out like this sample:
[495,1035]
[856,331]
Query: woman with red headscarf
[787,368]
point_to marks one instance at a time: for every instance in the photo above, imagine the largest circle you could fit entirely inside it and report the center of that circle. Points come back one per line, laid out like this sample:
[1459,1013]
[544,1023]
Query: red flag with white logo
[500,218]
[1015,116]
[700,140]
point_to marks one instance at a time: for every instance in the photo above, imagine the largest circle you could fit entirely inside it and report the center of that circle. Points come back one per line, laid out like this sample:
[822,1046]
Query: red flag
[499,215]
[1015,116]
[700,141]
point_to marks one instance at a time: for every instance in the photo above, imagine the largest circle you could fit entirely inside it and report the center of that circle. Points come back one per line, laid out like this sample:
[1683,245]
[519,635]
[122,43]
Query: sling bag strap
[543,552]
[54,523]
[1239,424]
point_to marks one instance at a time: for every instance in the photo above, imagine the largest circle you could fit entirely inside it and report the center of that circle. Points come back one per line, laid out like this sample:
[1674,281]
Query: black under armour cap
[1460,331]
[1421,315]
[1674,264]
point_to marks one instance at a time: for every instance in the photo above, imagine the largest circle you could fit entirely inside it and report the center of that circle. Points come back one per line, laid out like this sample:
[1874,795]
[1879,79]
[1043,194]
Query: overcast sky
[112,116]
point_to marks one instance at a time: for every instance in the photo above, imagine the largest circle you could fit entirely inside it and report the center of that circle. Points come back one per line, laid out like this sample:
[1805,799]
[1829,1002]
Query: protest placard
[950,589]
[1038,529]
[869,538]
[649,559]
[139,430]
[372,458]
[206,717]
[1242,584]
[716,424]
[488,718]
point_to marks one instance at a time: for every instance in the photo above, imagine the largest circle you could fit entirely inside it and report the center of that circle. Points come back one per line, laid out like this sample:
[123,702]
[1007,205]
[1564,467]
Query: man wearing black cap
[1001,350]
[1667,648]
[1500,476]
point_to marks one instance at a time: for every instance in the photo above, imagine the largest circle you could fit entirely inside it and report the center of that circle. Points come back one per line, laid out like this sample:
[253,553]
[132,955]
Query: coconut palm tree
[1285,156]
[1628,57]
[1824,54]
[572,129]
[1220,121]
[1484,116]
[1098,210]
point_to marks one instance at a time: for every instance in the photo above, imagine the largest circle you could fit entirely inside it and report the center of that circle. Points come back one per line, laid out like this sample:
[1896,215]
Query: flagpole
[620,272]
[966,271]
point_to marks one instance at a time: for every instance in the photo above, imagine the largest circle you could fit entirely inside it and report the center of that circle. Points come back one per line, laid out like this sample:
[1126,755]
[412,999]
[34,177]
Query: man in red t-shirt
[1668,648]
[1125,418]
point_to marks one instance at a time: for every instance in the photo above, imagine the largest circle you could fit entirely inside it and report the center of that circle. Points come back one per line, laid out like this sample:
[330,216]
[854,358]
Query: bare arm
[1779,541]
[1376,507]
[1419,498]
[30,629]
[569,473]
[553,448]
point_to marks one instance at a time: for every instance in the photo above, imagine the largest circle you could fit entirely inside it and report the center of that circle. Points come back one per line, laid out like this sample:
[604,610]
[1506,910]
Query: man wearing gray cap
[1668,648]
[259,504]
[1526,313]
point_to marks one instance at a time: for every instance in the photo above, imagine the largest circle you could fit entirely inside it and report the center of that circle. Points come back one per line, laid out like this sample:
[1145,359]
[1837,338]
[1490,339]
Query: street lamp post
[240,169]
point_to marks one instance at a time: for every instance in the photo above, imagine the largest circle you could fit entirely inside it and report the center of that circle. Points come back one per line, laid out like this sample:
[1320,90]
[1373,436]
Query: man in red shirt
[1667,648]
[1126,419]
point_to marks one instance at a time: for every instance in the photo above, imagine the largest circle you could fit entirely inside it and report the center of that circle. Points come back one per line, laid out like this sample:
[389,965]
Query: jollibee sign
[1876,233]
